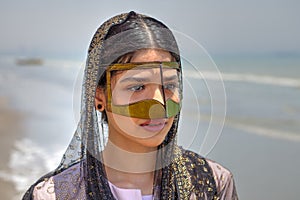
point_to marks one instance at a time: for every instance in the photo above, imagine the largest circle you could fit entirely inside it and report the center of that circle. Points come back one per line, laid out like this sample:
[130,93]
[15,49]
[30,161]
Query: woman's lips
[154,125]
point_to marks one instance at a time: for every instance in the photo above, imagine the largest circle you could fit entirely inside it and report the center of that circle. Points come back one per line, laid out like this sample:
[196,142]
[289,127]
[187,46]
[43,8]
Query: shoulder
[61,185]
[224,181]
[222,177]
[221,174]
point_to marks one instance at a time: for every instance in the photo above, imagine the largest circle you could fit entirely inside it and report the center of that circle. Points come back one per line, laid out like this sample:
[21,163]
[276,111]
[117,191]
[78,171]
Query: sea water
[258,142]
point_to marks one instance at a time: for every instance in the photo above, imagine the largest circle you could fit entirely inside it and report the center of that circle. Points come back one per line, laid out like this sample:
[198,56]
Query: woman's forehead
[151,55]
[152,74]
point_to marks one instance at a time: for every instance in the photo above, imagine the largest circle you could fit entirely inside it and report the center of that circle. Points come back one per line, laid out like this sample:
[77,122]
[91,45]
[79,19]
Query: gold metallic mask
[146,108]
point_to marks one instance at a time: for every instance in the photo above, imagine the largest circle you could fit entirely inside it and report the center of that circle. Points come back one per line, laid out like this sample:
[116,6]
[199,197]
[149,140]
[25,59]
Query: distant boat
[29,61]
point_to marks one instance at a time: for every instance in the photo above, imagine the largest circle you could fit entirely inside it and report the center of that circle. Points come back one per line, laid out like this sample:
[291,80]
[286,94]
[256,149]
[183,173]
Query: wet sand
[10,130]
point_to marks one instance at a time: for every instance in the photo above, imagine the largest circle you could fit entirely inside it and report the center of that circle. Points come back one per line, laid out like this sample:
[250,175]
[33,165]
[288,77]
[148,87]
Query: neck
[129,170]
[126,161]
[142,181]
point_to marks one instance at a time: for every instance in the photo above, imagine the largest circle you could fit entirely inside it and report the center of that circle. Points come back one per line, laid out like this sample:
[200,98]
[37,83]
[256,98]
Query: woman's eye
[170,86]
[136,88]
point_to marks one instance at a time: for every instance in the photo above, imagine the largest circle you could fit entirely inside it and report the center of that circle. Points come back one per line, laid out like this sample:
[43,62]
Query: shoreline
[10,129]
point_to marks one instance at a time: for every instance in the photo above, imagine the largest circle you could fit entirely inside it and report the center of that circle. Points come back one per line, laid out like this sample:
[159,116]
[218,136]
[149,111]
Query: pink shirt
[128,194]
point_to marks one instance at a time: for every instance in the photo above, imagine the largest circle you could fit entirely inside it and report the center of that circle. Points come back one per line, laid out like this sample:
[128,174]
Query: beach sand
[10,129]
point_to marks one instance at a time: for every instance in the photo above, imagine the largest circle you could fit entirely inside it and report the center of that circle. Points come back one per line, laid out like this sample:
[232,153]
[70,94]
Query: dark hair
[145,32]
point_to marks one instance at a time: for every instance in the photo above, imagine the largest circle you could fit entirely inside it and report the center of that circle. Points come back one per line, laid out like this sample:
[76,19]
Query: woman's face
[131,132]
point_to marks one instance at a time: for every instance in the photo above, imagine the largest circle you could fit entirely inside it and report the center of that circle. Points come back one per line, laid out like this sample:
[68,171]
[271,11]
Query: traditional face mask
[144,90]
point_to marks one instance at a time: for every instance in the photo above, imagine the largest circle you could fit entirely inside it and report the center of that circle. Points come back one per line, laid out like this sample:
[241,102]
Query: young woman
[125,144]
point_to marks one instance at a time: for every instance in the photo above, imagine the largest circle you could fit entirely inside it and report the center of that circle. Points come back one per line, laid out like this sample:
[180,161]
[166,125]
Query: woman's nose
[158,94]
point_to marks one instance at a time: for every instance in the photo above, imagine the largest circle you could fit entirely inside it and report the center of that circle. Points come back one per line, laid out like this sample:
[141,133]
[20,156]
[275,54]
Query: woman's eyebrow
[170,78]
[135,79]
[146,79]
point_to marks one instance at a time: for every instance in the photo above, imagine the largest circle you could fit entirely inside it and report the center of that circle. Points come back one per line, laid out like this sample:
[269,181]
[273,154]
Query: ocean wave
[266,132]
[247,77]
[27,163]
[253,128]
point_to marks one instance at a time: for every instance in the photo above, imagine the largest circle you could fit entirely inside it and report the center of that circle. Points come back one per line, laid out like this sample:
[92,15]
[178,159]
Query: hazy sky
[232,26]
